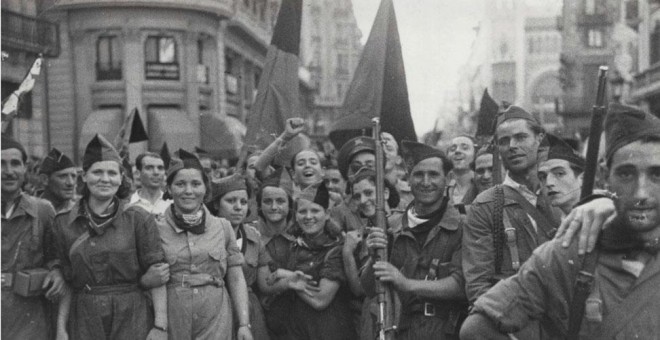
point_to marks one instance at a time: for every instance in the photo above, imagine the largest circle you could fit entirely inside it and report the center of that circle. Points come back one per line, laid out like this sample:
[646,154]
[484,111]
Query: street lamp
[617,83]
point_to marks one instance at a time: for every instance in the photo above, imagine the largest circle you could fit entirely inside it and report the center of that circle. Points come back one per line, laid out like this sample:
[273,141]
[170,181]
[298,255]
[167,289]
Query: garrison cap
[316,193]
[626,124]
[414,152]
[54,162]
[279,178]
[561,150]
[350,149]
[10,143]
[99,149]
[515,112]
[185,160]
[228,184]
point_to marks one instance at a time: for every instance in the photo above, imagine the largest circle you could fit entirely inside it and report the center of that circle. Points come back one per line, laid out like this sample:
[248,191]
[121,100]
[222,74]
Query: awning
[106,122]
[222,136]
[170,125]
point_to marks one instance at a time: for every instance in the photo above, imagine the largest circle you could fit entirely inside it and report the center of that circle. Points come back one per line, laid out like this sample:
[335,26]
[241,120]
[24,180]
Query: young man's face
[152,174]
[483,171]
[63,183]
[518,145]
[427,181]
[562,185]
[363,159]
[461,152]
[13,171]
[334,182]
[634,175]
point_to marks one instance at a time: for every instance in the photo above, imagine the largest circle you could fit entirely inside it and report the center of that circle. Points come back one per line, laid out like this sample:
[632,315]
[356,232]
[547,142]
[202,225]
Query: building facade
[515,55]
[646,84]
[330,49]
[25,35]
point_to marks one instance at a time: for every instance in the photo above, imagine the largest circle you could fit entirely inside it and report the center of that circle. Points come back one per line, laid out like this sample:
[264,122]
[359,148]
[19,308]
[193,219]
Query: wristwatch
[249,326]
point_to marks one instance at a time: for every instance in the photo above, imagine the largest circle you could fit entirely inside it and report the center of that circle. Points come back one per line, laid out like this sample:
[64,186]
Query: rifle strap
[583,285]
[498,228]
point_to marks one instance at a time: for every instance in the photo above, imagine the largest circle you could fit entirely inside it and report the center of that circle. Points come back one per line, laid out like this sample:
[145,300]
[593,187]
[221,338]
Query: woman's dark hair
[289,216]
[124,190]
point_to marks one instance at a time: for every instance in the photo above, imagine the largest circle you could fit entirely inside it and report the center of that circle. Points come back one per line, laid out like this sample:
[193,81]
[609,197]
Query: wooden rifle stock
[585,277]
[595,130]
[385,299]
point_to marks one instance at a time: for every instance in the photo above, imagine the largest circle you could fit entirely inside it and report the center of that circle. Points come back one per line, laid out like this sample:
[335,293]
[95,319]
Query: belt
[195,280]
[108,290]
[429,309]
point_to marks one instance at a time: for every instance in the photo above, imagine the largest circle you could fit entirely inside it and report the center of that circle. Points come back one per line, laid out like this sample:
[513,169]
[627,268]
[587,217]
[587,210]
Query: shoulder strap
[540,218]
[583,284]
[498,228]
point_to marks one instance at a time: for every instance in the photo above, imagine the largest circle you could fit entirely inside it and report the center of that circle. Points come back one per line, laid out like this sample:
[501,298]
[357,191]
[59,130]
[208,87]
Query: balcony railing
[648,77]
[30,34]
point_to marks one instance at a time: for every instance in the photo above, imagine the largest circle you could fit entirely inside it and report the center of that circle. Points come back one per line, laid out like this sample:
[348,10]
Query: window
[594,38]
[161,58]
[589,7]
[108,58]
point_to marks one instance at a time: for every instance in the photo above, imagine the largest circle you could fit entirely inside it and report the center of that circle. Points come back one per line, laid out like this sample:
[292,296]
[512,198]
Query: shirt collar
[530,196]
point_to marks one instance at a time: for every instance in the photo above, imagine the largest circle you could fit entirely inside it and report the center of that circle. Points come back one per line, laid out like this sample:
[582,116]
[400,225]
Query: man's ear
[386,193]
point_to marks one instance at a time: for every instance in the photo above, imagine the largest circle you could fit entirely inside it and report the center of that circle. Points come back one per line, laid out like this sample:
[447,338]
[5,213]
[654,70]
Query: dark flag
[131,132]
[277,92]
[487,116]
[165,155]
[379,87]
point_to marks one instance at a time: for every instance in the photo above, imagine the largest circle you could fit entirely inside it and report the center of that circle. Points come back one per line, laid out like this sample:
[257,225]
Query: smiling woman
[106,248]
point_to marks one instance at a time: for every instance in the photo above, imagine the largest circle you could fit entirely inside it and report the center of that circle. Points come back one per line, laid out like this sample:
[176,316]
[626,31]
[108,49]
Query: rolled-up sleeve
[478,256]
[234,255]
[333,266]
[150,249]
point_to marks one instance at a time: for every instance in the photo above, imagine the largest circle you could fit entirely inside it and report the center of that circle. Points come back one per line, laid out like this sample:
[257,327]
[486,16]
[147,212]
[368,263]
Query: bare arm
[322,298]
[446,288]
[63,314]
[239,296]
[293,127]
[159,297]
[353,238]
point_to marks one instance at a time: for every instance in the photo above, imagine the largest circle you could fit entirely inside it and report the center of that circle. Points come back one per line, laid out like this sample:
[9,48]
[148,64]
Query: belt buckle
[429,309]
[183,281]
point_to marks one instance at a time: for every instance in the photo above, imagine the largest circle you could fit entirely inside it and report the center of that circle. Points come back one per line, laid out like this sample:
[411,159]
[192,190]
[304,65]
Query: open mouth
[552,193]
[639,215]
[308,173]
[515,157]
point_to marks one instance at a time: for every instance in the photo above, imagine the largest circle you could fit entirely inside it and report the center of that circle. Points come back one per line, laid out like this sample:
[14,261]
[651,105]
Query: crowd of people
[185,247]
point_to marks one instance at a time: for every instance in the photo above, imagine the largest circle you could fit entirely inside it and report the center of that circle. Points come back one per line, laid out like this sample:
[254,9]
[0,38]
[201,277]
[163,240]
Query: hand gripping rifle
[585,277]
[386,326]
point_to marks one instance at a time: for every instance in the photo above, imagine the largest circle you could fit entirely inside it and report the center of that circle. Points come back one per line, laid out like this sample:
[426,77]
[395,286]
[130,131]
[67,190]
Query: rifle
[386,325]
[585,277]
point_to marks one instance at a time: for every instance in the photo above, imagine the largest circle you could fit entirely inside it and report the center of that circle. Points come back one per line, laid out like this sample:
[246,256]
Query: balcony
[26,33]
[646,81]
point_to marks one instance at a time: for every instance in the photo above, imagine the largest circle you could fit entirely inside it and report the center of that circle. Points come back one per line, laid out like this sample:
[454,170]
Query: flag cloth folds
[131,132]
[277,92]
[379,87]
[10,104]
[487,116]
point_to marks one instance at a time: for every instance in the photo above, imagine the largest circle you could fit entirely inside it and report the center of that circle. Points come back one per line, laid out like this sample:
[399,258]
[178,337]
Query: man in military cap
[561,174]
[507,222]
[622,302]
[27,252]
[355,154]
[425,268]
[59,176]
[151,172]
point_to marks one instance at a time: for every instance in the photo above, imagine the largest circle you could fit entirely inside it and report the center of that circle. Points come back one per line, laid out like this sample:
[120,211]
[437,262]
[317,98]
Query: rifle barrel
[595,130]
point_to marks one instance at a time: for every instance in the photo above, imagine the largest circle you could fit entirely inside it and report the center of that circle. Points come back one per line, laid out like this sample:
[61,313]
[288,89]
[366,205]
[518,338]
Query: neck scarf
[98,222]
[194,223]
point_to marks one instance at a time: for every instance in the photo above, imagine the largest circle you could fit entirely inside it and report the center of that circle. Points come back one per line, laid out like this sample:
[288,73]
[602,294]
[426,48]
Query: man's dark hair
[447,164]
[138,160]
